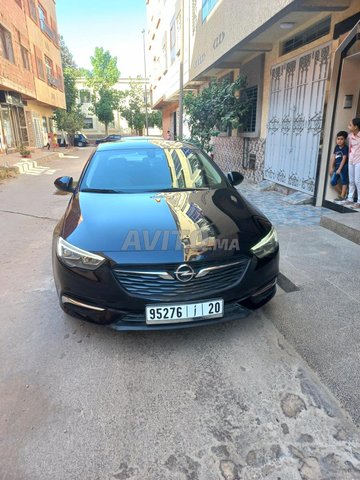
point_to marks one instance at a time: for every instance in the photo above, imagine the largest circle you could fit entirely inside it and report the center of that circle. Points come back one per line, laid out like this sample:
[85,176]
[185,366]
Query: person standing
[354,162]
[339,166]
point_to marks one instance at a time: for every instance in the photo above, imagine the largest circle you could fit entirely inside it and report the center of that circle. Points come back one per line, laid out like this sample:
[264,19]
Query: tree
[71,93]
[103,76]
[104,103]
[70,122]
[217,107]
[133,109]
[67,59]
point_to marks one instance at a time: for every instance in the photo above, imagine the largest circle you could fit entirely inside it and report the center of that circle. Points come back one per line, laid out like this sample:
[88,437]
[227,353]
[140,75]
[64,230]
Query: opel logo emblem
[184,273]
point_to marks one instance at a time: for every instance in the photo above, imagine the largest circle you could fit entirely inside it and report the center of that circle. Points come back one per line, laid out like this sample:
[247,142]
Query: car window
[153,169]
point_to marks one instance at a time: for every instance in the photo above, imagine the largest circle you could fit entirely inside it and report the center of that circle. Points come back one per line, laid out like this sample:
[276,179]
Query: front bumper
[98,297]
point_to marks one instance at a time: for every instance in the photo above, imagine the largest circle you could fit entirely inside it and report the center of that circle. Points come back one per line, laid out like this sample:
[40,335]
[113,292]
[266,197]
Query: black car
[109,138]
[80,140]
[156,236]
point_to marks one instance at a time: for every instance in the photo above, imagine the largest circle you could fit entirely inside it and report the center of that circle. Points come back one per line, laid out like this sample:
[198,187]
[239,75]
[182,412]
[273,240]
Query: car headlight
[75,257]
[267,245]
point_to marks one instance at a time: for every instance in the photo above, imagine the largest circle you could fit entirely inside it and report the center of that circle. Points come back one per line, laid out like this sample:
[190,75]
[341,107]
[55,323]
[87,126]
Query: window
[59,78]
[6,47]
[49,67]
[207,6]
[194,16]
[173,40]
[39,64]
[85,97]
[45,124]
[32,10]
[164,54]
[25,58]
[307,36]
[42,14]
[88,123]
[251,95]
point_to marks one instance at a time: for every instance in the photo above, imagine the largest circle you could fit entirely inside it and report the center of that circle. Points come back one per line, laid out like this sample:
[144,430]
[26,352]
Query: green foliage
[216,108]
[67,60]
[133,109]
[155,118]
[70,122]
[71,93]
[104,73]
[101,78]
[104,103]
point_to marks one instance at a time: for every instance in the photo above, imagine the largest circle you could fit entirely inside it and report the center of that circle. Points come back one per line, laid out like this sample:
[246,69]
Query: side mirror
[235,178]
[64,184]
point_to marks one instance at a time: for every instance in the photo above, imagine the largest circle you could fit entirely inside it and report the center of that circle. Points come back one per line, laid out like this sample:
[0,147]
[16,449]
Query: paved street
[229,402]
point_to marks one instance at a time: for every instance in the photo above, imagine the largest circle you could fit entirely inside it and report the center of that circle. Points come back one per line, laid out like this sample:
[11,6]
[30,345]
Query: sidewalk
[38,155]
[318,303]
[273,204]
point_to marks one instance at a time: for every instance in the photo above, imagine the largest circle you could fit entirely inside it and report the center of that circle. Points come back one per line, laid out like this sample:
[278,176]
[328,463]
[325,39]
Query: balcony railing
[48,31]
[54,81]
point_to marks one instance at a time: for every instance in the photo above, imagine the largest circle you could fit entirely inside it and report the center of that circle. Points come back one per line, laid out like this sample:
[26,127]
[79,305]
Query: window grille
[307,36]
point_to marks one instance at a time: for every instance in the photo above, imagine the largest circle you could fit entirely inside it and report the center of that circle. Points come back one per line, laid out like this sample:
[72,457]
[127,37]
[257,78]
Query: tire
[80,144]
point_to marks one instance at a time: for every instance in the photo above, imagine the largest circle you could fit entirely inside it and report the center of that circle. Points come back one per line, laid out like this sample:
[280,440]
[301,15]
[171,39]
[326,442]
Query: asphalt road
[82,402]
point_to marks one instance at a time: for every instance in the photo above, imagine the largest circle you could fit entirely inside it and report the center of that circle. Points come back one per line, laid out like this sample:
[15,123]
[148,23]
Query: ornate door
[295,119]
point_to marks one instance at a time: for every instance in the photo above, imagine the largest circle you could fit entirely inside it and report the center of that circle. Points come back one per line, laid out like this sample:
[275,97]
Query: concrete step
[25,165]
[347,225]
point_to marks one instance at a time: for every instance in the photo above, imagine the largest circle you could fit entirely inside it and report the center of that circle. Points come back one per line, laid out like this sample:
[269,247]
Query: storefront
[344,105]
[13,129]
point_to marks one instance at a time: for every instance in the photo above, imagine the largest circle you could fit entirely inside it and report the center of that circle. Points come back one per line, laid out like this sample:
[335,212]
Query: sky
[115,25]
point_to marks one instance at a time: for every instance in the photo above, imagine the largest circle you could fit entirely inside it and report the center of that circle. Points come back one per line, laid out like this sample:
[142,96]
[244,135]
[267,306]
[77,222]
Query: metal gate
[295,119]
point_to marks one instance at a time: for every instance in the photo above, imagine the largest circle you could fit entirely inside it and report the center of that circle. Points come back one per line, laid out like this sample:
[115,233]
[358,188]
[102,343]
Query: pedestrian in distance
[55,144]
[354,163]
[48,145]
[168,135]
[339,166]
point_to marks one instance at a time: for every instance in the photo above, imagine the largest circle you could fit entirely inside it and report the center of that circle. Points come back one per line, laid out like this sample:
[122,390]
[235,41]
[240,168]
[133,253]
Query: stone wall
[232,153]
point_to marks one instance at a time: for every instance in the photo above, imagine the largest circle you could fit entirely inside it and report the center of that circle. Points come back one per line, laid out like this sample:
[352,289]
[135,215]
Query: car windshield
[150,169]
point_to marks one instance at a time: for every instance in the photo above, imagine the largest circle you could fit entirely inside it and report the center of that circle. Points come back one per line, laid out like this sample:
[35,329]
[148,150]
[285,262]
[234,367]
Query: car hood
[164,227]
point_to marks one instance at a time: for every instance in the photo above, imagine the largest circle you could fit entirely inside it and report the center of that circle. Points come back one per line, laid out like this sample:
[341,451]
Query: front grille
[153,287]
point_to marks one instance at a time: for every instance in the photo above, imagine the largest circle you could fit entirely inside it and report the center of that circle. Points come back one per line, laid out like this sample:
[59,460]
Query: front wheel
[80,144]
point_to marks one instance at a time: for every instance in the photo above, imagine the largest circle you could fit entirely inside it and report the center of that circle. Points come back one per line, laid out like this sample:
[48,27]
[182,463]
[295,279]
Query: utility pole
[181,73]
[145,81]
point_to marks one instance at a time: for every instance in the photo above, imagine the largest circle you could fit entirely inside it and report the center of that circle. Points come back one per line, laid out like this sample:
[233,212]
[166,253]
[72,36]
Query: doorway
[296,119]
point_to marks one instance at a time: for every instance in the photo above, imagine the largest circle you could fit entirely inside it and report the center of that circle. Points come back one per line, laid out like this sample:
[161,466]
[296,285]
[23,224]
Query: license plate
[184,312]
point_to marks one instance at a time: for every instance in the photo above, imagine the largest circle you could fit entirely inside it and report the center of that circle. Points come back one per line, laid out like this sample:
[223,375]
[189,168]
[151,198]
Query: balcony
[49,32]
[54,81]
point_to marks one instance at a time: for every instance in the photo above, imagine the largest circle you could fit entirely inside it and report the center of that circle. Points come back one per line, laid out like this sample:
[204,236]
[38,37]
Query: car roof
[128,143]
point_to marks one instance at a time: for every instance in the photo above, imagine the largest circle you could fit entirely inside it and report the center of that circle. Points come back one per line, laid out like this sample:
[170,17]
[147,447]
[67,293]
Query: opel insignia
[155,236]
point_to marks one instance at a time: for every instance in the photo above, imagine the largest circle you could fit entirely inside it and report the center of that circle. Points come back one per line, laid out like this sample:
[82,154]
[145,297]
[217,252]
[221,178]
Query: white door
[38,129]
[295,119]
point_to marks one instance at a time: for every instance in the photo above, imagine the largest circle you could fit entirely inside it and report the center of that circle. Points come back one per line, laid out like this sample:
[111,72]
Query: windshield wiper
[160,190]
[100,190]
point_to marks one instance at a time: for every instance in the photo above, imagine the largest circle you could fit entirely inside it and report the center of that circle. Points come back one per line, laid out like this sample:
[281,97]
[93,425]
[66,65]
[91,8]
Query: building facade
[31,79]
[292,54]
[92,126]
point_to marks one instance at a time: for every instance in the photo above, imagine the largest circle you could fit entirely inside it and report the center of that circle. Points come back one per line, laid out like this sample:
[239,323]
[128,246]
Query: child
[339,166]
[354,162]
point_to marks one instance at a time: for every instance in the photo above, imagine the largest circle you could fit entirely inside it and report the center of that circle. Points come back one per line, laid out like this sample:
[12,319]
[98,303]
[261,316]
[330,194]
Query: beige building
[302,63]
[31,79]
[92,126]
